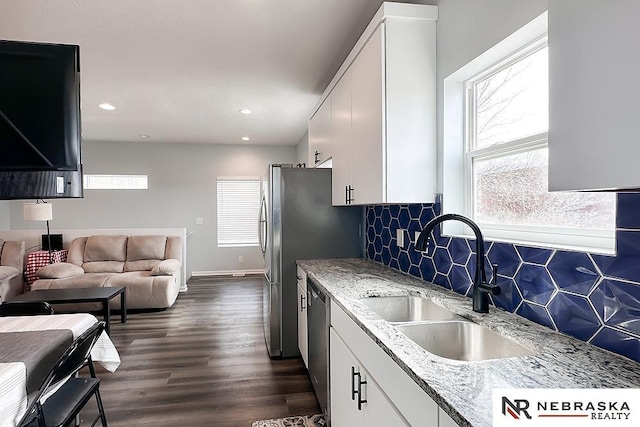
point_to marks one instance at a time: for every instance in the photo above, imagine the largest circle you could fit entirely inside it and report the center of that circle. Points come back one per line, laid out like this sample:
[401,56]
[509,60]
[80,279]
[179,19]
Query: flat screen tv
[40,132]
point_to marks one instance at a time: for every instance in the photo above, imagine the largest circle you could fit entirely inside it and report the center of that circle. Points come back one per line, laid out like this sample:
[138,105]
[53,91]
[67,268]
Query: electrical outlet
[240,259]
[400,237]
[59,184]
[199,221]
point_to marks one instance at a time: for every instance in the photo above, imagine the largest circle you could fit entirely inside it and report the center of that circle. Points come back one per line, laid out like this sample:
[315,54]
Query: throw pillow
[7,272]
[60,270]
[166,267]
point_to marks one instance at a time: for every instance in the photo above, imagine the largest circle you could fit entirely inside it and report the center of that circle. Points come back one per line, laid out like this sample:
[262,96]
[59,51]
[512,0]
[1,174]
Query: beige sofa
[11,269]
[147,265]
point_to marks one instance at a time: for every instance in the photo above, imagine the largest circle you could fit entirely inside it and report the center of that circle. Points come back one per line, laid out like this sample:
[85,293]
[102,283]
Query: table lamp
[40,211]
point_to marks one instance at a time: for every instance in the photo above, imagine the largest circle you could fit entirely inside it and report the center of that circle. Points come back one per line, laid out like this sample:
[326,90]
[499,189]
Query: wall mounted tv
[39,121]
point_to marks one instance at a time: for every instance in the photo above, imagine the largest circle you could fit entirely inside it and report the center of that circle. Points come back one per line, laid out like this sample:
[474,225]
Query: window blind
[238,209]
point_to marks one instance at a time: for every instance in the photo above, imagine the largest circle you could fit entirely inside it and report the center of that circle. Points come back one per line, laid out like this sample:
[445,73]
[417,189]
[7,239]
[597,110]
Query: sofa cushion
[75,255]
[144,290]
[87,280]
[174,248]
[105,248]
[166,267]
[13,254]
[146,247]
[103,267]
[59,270]
[141,265]
[8,272]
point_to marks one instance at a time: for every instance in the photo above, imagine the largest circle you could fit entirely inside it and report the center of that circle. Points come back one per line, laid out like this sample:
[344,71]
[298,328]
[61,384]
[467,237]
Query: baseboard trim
[234,273]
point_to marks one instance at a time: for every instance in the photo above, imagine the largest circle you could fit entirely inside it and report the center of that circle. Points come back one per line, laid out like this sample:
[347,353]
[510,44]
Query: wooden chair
[24,308]
[61,407]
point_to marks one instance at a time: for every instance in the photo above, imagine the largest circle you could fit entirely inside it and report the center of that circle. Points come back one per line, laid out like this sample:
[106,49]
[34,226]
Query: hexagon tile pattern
[595,298]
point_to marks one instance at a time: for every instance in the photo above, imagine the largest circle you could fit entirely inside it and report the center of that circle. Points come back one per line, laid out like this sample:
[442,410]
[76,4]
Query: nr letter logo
[516,409]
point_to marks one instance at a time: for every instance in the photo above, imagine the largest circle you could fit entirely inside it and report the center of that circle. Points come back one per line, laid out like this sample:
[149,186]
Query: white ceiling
[179,70]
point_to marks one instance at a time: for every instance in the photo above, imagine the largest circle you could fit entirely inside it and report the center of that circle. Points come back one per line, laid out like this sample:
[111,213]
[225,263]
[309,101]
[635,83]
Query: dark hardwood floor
[202,362]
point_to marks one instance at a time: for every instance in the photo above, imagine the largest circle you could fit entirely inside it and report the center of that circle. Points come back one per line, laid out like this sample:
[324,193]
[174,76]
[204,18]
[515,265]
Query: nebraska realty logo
[570,407]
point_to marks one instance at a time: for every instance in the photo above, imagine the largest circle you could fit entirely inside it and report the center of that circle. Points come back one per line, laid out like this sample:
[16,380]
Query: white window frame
[456,171]
[251,222]
[114,182]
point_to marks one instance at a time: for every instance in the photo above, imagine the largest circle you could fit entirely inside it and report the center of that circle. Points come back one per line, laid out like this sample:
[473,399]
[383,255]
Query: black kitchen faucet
[481,288]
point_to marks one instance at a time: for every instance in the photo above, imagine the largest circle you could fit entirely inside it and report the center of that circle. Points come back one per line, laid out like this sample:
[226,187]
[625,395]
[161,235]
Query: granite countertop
[464,389]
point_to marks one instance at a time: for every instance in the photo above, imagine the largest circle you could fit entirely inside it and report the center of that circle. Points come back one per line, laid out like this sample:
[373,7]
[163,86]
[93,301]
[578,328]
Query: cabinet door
[341,140]
[378,410]
[303,341]
[320,134]
[344,407]
[445,420]
[593,101]
[367,145]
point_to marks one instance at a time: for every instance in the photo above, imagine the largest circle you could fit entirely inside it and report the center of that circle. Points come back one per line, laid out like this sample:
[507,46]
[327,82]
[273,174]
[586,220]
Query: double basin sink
[442,332]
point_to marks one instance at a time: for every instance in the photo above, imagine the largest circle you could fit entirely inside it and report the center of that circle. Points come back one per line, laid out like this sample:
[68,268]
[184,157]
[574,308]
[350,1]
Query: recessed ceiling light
[143,136]
[106,106]
[245,111]
[246,138]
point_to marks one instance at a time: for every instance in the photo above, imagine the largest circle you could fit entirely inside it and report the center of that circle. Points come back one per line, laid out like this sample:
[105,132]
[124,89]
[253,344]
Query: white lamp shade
[38,211]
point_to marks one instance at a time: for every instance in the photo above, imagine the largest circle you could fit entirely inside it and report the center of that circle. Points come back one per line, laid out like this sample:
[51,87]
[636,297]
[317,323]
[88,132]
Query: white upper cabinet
[383,136]
[367,123]
[594,96]
[341,139]
[320,134]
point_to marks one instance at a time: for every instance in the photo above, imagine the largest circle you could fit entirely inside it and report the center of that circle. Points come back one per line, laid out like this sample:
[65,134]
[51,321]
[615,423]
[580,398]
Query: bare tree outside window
[510,185]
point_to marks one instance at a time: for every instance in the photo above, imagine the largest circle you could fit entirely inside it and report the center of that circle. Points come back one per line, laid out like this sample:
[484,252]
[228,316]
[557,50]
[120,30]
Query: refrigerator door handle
[263,227]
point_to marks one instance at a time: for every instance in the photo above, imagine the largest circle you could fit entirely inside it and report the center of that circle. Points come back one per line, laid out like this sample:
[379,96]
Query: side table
[38,259]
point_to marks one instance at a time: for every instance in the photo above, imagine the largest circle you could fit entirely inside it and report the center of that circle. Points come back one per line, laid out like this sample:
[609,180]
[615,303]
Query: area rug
[301,421]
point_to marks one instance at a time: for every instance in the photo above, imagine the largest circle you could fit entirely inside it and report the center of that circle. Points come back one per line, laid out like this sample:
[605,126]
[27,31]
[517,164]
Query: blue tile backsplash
[595,298]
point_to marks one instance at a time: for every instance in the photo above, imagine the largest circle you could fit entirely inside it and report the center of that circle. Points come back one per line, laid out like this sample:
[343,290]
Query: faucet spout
[481,288]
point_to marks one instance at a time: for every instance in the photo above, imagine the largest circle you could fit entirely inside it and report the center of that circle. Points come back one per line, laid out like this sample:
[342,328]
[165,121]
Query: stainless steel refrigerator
[297,221]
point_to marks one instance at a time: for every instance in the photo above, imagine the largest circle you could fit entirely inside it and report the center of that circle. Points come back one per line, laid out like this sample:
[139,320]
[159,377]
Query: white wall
[182,187]
[5,222]
[302,150]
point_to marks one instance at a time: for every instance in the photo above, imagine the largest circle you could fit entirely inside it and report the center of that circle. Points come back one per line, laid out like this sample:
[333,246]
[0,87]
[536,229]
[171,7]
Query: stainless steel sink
[408,309]
[463,340]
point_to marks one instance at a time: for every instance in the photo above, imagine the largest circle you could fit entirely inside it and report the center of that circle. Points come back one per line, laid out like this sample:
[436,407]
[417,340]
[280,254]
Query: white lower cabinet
[392,397]
[303,341]
[445,420]
[356,399]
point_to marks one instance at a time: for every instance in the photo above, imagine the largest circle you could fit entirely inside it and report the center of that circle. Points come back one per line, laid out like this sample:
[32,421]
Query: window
[238,209]
[503,166]
[115,182]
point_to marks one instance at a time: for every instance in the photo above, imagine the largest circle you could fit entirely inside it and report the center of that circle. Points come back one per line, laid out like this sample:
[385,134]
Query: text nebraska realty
[596,410]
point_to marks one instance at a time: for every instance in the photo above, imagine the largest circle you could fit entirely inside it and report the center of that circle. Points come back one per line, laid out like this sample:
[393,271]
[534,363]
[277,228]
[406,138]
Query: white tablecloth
[13,376]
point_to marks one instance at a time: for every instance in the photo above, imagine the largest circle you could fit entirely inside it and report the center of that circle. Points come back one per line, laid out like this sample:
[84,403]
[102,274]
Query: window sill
[237,245]
[500,237]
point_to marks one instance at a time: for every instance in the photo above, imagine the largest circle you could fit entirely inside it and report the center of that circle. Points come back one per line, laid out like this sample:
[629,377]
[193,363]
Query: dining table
[29,348]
